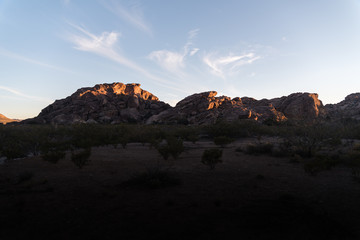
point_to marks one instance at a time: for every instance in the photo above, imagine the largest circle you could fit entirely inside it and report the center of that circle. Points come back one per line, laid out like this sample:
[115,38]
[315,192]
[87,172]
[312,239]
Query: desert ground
[244,197]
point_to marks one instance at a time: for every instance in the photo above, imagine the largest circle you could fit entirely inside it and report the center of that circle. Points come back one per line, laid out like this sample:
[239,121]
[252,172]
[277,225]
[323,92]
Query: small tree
[81,158]
[211,157]
[173,147]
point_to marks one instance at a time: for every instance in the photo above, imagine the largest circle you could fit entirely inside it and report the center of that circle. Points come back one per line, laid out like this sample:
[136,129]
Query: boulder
[304,106]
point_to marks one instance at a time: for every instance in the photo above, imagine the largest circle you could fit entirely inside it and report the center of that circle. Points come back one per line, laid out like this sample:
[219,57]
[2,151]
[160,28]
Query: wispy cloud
[20,94]
[104,45]
[188,46]
[228,65]
[171,61]
[66,2]
[12,55]
[133,14]
[174,61]
[194,51]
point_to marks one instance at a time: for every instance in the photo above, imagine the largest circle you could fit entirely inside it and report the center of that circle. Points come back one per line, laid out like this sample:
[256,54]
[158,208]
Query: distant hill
[5,120]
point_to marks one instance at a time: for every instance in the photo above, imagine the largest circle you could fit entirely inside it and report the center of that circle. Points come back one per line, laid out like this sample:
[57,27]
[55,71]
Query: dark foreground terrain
[244,197]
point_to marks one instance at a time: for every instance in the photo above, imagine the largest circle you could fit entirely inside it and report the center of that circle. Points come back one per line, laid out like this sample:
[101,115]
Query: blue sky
[257,48]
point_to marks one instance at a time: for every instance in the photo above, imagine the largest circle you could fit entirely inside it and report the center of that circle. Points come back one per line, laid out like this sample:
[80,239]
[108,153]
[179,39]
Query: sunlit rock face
[124,103]
[206,108]
[103,103]
[5,120]
[346,109]
[305,106]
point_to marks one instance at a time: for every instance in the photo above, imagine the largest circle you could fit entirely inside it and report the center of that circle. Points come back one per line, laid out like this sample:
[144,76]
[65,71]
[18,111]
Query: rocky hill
[5,120]
[346,109]
[118,103]
[206,108]
[103,103]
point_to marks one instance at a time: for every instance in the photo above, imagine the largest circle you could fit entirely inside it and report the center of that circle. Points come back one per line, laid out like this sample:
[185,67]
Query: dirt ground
[245,197]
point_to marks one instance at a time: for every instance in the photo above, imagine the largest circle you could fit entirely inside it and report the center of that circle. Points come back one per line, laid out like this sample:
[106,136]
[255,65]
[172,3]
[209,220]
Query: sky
[257,48]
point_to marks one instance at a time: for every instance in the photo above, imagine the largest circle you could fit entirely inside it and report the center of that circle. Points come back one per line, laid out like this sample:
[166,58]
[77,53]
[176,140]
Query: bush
[123,141]
[261,148]
[81,158]
[192,138]
[352,160]
[173,147]
[285,149]
[211,157]
[14,150]
[223,141]
[53,156]
[320,163]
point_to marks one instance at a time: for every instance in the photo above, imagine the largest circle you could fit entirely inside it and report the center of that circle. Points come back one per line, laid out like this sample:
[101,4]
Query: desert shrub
[173,147]
[14,149]
[284,149]
[333,142]
[352,160]
[155,143]
[223,140]
[320,163]
[307,140]
[223,128]
[81,158]
[123,140]
[211,157]
[187,133]
[260,148]
[153,178]
[192,137]
[164,151]
[53,156]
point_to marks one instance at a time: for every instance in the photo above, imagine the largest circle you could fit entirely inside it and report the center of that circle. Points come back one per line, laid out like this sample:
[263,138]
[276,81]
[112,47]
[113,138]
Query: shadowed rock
[346,109]
[206,108]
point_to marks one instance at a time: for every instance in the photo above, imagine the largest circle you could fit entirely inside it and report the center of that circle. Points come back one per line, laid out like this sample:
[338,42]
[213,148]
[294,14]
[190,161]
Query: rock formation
[346,109]
[206,108]
[5,120]
[103,103]
[118,103]
[300,106]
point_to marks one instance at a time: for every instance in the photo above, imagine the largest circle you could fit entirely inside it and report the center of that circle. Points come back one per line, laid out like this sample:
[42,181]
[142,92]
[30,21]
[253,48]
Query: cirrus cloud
[105,46]
[174,61]
[228,65]
[133,14]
